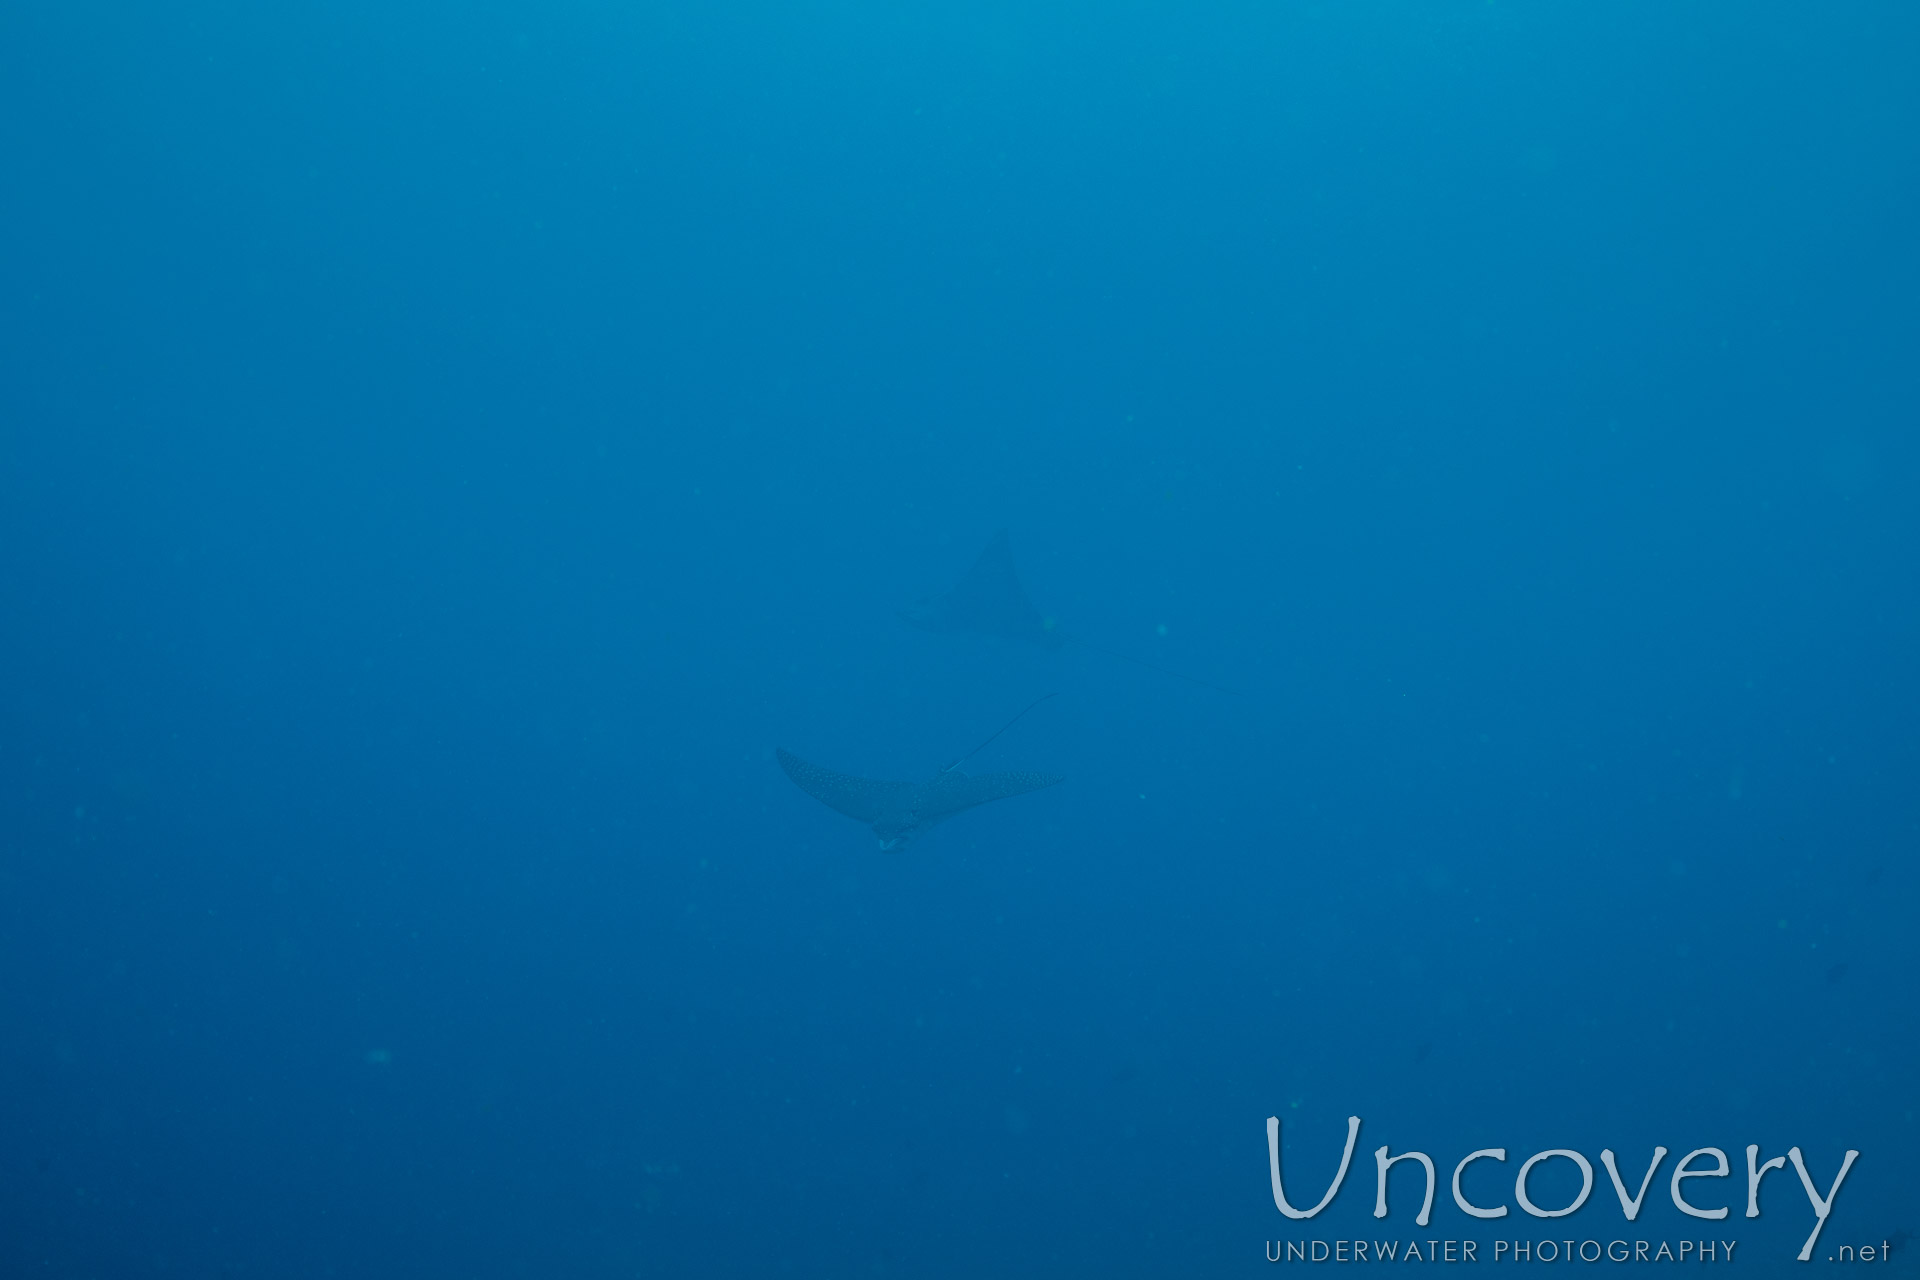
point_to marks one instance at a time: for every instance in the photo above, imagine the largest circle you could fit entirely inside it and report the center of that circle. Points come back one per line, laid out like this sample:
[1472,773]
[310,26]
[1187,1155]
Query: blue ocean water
[445,450]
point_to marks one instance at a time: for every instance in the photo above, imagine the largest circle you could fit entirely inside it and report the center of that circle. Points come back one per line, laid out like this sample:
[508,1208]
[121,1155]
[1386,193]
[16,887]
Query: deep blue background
[443,450]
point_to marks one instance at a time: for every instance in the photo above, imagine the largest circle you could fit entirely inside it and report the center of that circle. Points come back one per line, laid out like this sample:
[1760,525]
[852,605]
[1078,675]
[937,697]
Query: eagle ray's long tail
[958,760]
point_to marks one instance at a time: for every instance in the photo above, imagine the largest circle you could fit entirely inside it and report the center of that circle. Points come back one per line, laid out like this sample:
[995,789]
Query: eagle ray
[990,600]
[899,811]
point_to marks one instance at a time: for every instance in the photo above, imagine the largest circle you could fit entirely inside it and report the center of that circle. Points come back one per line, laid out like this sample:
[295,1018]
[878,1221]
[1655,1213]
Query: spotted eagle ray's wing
[953,791]
[989,600]
[867,799]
